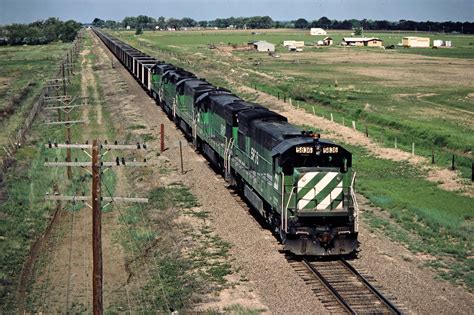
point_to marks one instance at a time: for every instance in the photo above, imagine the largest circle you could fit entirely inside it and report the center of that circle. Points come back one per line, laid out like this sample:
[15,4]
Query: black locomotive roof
[270,133]
[217,100]
[231,110]
[178,74]
[194,87]
[163,67]
[248,117]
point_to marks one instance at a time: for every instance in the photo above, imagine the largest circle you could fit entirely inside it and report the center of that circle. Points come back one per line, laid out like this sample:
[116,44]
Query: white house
[318,31]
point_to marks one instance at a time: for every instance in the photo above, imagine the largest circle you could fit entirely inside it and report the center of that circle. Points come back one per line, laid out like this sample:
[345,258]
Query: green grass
[25,213]
[178,275]
[434,122]
[23,71]
[430,220]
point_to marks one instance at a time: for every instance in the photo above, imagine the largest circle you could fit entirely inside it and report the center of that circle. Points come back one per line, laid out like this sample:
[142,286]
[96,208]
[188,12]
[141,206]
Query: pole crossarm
[66,122]
[88,198]
[89,164]
[64,107]
[58,98]
[102,146]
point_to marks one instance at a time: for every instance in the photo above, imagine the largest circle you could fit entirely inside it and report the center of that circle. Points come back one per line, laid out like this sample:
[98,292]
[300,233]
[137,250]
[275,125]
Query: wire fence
[65,68]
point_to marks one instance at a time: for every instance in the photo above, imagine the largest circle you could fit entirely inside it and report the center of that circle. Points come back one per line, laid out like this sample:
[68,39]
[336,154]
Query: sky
[24,11]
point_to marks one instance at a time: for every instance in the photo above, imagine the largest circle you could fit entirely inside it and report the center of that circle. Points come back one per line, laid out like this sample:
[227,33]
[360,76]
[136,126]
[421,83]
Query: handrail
[355,204]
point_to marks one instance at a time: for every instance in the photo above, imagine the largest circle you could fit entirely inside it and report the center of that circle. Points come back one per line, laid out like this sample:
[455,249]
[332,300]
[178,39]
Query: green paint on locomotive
[306,191]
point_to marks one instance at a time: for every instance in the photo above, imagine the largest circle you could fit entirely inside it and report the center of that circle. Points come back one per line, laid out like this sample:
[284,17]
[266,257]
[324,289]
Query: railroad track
[342,289]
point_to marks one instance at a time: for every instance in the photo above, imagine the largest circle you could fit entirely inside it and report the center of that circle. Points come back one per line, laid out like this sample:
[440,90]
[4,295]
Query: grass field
[23,71]
[395,93]
[424,96]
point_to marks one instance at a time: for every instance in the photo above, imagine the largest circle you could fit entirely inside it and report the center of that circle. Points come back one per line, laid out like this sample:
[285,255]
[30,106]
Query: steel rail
[331,289]
[369,286]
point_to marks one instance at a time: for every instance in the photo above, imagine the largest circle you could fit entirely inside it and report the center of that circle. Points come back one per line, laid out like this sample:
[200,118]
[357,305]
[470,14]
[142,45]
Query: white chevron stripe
[319,186]
[339,206]
[307,177]
[326,202]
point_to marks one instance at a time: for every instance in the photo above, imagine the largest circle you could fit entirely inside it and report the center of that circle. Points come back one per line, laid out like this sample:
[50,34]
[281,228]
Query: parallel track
[342,289]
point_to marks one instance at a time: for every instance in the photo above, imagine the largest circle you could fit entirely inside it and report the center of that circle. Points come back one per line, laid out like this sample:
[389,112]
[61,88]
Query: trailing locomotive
[303,186]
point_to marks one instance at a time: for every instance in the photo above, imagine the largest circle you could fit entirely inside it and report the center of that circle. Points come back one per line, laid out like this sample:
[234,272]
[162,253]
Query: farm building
[293,43]
[263,46]
[317,31]
[442,43]
[328,41]
[413,41]
[362,41]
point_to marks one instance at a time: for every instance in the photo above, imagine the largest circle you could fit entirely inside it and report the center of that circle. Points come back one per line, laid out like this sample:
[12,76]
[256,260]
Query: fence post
[162,137]
[453,167]
[343,121]
[289,100]
[278,95]
[395,143]
[353,125]
[432,157]
[332,118]
[366,132]
[413,149]
[181,156]
[313,110]
[284,98]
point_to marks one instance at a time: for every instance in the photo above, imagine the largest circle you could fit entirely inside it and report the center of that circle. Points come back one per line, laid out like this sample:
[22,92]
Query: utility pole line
[67,107]
[96,201]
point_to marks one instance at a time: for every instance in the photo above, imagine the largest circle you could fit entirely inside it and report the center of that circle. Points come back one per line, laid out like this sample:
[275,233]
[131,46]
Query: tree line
[265,22]
[39,32]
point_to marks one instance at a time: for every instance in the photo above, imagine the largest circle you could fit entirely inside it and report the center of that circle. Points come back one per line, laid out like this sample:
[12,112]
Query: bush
[40,32]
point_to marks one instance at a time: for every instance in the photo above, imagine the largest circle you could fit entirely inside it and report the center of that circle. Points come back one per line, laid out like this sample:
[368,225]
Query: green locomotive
[303,186]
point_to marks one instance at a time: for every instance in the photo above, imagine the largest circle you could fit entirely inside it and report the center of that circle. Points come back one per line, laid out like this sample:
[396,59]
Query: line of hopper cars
[303,186]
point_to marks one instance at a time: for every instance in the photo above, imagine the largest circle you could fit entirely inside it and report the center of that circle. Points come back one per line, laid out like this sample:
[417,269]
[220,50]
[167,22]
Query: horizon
[84,11]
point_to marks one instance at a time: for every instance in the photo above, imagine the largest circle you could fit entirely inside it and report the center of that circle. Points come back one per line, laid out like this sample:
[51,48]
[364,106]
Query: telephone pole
[96,201]
[96,232]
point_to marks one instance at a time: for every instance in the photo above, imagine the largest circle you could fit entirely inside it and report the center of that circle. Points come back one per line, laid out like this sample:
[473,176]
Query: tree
[188,22]
[358,31]
[174,23]
[98,22]
[324,22]
[161,22]
[130,21]
[301,23]
[111,24]
[203,23]
[68,30]
[139,31]
[40,32]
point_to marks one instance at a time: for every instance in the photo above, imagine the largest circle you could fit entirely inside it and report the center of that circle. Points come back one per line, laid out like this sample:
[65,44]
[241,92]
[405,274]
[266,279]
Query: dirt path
[446,179]
[270,279]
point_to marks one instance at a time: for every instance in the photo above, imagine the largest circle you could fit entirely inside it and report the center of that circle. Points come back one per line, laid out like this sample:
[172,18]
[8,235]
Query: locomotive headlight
[318,149]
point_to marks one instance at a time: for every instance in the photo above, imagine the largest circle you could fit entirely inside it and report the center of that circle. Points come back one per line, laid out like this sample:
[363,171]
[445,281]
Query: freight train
[302,185]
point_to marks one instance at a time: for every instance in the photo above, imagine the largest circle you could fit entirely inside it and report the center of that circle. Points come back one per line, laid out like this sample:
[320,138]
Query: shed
[264,46]
[438,43]
[317,31]
[413,41]
[328,41]
[293,43]
[362,41]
